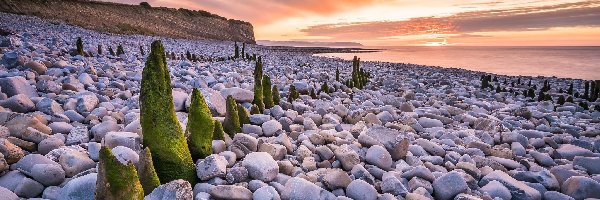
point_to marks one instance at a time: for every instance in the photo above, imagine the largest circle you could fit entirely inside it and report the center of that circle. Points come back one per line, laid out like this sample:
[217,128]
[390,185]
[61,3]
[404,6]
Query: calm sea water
[565,62]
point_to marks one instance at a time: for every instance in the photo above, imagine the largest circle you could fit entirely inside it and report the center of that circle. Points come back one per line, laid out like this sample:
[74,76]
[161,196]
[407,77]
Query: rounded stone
[359,189]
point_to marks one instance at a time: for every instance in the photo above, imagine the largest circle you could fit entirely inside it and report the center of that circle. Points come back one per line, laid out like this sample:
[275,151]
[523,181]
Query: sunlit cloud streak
[586,14]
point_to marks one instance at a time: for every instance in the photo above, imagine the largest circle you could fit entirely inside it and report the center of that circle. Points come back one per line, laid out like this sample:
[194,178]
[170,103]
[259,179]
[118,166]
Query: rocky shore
[412,132]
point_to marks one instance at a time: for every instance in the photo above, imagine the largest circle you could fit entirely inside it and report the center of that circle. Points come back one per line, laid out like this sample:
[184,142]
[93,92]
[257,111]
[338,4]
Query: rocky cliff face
[135,19]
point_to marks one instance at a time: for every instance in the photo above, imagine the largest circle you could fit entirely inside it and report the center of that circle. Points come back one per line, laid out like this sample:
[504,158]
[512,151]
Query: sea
[576,62]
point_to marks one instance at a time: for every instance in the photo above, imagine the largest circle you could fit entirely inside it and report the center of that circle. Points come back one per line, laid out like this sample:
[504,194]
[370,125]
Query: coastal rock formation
[134,19]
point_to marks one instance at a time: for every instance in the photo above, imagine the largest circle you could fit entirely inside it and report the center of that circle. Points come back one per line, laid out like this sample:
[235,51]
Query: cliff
[135,19]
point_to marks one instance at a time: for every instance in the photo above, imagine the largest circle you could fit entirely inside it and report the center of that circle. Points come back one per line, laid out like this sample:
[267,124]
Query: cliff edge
[135,19]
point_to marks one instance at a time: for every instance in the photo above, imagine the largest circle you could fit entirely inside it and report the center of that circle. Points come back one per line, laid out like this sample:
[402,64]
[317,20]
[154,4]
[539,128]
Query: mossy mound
[146,173]
[162,132]
[218,133]
[200,127]
[267,92]
[115,180]
[243,115]
[232,119]
[80,47]
[276,96]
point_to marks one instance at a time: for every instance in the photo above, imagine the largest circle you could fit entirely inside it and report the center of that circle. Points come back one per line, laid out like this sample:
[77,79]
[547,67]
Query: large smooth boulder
[518,189]
[18,103]
[22,186]
[379,156]
[80,188]
[177,189]
[211,167]
[347,157]
[449,185]
[231,192]
[12,86]
[261,166]
[581,187]
[300,189]
[359,189]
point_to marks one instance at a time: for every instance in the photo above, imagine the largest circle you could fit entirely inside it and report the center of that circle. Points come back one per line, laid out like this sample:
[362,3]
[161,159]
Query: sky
[412,22]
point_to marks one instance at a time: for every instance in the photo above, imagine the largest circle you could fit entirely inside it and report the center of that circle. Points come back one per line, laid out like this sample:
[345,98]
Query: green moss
[111,51]
[258,93]
[237,51]
[80,47]
[267,92]
[162,132]
[254,110]
[200,127]
[313,95]
[120,50]
[218,133]
[146,173]
[243,115]
[292,94]
[115,180]
[232,119]
[276,96]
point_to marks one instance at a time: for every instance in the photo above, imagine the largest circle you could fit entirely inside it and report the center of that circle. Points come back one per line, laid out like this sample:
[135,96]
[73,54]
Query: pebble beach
[412,132]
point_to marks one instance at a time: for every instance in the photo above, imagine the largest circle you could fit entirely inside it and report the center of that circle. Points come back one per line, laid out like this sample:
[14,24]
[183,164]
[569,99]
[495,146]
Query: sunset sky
[411,22]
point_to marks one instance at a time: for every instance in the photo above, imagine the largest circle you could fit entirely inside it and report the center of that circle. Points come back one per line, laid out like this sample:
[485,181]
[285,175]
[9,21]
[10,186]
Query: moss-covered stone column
[162,132]
[115,180]
[200,127]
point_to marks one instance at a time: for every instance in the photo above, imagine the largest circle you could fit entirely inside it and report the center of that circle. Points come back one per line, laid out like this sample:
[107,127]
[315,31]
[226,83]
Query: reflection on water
[566,62]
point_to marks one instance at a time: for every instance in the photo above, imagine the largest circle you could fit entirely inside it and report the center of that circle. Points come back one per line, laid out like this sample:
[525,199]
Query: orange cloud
[262,11]
[581,14]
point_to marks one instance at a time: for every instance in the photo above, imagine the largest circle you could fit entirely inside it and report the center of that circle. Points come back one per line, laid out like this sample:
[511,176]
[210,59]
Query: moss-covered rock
[258,93]
[243,115]
[200,127]
[80,47]
[111,51]
[120,50]
[254,110]
[232,119]
[146,173]
[267,92]
[218,133]
[292,94]
[313,95]
[276,96]
[115,180]
[162,132]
